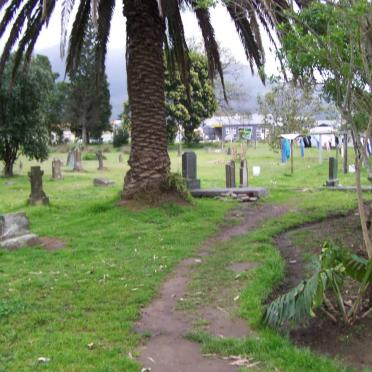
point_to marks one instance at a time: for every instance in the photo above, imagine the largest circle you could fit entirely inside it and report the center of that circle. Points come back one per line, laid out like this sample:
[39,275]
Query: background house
[231,128]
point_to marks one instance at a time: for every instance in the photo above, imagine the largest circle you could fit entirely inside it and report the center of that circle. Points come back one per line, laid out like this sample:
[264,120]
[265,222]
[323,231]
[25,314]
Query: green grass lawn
[55,304]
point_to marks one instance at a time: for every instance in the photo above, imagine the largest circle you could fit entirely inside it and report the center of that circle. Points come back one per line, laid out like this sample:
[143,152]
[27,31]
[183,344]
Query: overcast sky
[224,27]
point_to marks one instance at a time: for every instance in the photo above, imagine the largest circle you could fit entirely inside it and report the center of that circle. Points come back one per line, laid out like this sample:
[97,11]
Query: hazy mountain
[237,74]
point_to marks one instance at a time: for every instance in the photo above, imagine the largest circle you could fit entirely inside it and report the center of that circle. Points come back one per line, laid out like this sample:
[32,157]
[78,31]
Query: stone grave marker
[102,182]
[243,173]
[76,158]
[71,159]
[99,155]
[57,169]
[189,170]
[14,232]
[332,173]
[37,195]
[230,174]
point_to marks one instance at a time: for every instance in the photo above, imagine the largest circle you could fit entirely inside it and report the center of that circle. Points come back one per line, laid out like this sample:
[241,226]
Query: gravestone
[70,159]
[102,182]
[14,232]
[37,195]
[230,174]
[77,160]
[100,160]
[57,169]
[120,158]
[332,173]
[189,170]
[243,173]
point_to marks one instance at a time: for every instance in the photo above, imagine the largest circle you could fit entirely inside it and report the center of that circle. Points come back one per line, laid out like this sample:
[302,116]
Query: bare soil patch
[51,244]
[353,345]
[240,267]
[154,202]
[167,349]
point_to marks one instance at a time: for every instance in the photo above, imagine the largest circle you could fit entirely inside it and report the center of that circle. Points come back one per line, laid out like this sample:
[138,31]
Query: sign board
[245,134]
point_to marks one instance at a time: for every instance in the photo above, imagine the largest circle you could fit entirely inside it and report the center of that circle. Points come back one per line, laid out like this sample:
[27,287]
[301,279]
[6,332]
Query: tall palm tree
[152,26]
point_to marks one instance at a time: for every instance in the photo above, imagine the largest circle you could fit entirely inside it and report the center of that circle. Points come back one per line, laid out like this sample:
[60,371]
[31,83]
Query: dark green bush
[121,137]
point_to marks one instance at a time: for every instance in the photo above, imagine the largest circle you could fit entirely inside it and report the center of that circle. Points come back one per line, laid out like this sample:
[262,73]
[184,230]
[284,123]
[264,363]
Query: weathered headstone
[14,231]
[57,169]
[243,173]
[70,159]
[99,155]
[120,158]
[37,195]
[102,182]
[77,160]
[189,170]
[332,174]
[230,174]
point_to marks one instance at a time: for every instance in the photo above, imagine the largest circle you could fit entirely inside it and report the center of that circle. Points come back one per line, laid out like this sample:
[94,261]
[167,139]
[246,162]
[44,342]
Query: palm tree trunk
[149,161]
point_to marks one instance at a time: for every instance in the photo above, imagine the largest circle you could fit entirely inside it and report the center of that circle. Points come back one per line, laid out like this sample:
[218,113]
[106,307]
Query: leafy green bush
[89,156]
[121,137]
[334,266]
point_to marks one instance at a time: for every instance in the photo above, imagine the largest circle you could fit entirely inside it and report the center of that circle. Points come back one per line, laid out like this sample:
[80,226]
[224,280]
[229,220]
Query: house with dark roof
[232,128]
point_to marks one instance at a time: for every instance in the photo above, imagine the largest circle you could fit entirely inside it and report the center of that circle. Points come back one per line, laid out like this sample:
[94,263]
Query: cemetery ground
[79,306]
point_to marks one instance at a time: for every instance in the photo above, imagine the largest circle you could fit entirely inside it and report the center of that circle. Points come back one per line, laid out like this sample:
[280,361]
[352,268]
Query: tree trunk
[149,161]
[84,134]
[9,157]
[345,164]
[8,169]
[362,213]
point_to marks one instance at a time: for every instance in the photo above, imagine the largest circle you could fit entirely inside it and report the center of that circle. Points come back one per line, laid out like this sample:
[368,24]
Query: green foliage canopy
[23,112]
[89,108]
[327,44]
[189,112]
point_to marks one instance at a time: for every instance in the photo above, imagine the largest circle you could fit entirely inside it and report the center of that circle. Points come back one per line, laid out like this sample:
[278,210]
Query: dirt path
[167,349]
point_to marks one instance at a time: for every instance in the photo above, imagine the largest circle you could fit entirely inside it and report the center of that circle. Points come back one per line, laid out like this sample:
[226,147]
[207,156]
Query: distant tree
[23,112]
[89,108]
[57,107]
[184,111]
[126,116]
[121,137]
[288,109]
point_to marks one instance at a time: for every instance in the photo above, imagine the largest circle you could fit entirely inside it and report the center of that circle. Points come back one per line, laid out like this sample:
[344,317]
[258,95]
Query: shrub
[121,137]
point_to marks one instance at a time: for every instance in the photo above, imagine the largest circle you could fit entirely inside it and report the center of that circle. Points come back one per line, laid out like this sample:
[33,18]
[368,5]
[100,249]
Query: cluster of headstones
[230,174]
[189,172]
[38,195]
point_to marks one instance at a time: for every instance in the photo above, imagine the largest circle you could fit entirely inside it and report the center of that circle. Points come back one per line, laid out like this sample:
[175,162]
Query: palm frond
[105,12]
[9,14]
[2,3]
[211,46]
[294,306]
[177,46]
[77,36]
[358,268]
[34,24]
[16,31]
[67,7]
[244,29]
